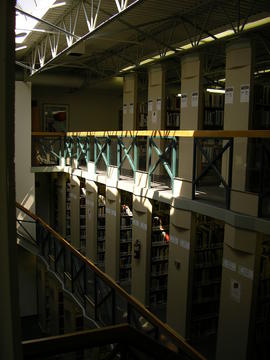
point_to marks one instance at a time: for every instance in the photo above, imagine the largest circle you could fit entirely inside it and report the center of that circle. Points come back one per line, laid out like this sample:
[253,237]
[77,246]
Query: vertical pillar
[156,109]
[129,112]
[237,116]
[112,232]
[61,186]
[130,102]
[240,266]
[91,220]
[180,251]
[190,119]
[141,236]
[75,211]
[10,347]
[156,98]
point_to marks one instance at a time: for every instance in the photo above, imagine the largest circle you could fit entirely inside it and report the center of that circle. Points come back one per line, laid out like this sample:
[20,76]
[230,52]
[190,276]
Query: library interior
[135,180]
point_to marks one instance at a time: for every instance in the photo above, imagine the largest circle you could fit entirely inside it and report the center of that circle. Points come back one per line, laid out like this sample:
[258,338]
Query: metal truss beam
[48,58]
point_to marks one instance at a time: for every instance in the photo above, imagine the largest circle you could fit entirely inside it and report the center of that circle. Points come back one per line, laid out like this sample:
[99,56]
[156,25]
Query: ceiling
[98,39]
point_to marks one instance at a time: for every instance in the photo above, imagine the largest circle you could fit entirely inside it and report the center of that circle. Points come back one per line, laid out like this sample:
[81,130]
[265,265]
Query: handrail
[164,133]
[86,339]
[181,342]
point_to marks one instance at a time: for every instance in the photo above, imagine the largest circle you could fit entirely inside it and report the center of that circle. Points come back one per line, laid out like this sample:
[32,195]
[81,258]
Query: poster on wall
[55,118]
[229,95]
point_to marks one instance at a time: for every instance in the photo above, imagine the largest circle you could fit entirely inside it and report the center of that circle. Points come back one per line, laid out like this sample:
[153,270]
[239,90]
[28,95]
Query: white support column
[239,274]
[112,232]
[237,116]
[75,211]
[180,251]
[141,234]
[190,119]
[91,220]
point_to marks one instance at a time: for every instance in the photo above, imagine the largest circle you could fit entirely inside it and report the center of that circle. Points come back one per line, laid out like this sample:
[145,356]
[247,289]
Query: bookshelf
[101,211]
[207,268]
[142,115]
[173,112]
[126,216]
[82,215]
[261,112]
[262,322]
[213,111]
[68,218]
[159,257]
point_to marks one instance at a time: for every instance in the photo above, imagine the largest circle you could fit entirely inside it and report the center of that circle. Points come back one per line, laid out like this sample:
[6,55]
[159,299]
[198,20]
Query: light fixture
[21,48]
[58,4]
[216,91]
[128,68]
[179,95]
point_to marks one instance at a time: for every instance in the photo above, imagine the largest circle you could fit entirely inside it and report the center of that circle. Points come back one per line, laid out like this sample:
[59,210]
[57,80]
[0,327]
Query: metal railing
[102,298]
[160,158]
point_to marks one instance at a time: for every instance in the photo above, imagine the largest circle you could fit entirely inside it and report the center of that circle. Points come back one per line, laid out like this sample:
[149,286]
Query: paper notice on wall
[229,95]
[150,105]
[195,99]
[174,240]
[124,109]
[244,93]
[235,290]
[184,100]
[154,117]
[185,244]
[245,272]
[158,104]
[131,108]
[229,264]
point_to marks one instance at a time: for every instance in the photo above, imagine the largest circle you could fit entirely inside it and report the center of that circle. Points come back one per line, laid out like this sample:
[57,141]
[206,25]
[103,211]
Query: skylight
[25,24]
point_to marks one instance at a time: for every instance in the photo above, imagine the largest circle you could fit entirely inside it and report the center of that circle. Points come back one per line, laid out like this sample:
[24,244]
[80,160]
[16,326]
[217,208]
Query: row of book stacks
[159,258]
[126,216]
[206,283]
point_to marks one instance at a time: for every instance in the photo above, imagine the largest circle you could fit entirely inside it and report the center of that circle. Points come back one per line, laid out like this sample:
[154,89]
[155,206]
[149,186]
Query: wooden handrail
[87,339]
[163,133]
[181,342]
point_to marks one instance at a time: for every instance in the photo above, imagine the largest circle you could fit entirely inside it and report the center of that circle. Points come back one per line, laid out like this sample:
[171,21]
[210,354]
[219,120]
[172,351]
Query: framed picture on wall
[55,118]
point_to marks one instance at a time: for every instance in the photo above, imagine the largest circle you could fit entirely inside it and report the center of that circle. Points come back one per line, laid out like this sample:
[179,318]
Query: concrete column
[10,347]
[112,232]
[156,110]
[190,119]
[75,211]
[141,232]
[239,273]
[156,98]
[129,113]
[91,220]
[180,250]
[237,116]
[130,102]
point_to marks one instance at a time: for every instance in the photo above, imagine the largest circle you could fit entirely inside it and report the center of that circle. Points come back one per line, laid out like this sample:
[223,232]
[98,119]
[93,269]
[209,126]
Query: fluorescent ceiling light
[21,47]
[128,68]
[147,61]
[216,91]
[179,95]
[58,4]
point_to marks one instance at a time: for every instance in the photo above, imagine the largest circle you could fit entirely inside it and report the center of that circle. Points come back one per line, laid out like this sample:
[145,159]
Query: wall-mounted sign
[150,105]
[229,95]
[244,93]
[158,104]
[124,109]
[195,99]
[131,108]
[184,100]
